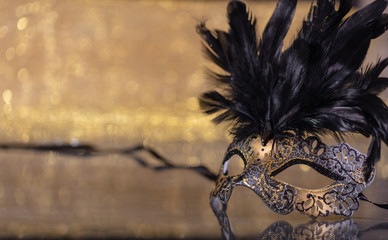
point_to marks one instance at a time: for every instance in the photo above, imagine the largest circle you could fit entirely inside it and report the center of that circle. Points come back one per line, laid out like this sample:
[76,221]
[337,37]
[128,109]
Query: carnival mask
[345,165]
[280,101]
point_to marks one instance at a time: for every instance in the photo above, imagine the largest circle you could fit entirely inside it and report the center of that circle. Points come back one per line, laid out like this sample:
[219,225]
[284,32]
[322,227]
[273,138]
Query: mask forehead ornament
[279,101]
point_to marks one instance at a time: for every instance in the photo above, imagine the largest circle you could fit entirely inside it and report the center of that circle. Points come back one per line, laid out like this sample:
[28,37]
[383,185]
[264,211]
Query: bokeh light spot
[7,96]
[22,23]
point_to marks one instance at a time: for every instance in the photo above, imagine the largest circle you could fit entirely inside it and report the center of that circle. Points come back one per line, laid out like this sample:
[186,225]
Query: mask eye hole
[234,165]
[307,177]
[304,174]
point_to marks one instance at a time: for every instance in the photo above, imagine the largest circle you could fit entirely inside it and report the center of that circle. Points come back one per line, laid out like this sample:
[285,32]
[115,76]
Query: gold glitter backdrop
[91,69]
[113,73]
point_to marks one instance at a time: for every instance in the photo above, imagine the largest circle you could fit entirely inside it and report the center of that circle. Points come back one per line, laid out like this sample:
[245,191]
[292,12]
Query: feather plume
[313,87]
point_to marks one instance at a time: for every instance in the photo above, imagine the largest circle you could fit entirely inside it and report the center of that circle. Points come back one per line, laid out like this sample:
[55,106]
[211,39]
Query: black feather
[316,86]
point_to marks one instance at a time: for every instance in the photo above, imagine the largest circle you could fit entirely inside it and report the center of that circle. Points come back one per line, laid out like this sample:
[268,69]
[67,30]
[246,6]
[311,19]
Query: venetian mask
[280,100]
[342,163]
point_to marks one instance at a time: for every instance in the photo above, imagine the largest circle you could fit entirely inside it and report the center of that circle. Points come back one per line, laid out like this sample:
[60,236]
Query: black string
[89,150]
[79,150]
[362,197]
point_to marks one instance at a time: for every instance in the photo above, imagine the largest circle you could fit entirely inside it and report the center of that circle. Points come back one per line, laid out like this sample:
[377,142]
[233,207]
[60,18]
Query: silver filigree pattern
[341,163]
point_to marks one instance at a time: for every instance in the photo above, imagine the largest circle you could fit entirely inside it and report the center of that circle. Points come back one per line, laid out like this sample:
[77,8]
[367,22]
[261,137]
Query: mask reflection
[342,229]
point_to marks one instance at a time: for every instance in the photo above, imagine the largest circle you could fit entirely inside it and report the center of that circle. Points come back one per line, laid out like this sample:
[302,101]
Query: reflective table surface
[48,194]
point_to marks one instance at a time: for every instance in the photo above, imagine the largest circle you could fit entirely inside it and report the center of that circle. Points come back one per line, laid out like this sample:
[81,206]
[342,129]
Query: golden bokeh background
[88,69]
[113,74]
